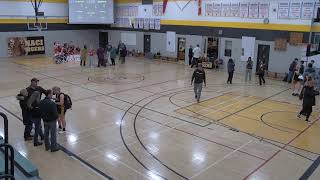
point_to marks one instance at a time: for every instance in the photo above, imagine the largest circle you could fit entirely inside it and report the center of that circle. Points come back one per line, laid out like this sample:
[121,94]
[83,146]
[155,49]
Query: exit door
[103,39]
[147,43]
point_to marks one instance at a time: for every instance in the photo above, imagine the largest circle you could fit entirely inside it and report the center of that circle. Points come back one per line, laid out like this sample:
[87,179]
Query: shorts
[61,111]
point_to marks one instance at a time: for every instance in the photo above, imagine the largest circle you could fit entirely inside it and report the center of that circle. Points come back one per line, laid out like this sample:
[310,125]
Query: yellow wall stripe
[24,21]
[241,25]
[45,1]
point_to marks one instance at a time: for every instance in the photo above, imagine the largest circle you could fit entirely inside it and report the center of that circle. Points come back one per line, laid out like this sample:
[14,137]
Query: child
[309,99]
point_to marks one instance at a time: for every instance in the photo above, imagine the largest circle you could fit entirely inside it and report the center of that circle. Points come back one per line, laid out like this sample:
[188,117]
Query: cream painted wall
[16,8]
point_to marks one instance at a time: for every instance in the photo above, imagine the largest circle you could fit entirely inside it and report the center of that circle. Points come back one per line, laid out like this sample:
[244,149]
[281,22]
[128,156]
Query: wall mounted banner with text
[22,46]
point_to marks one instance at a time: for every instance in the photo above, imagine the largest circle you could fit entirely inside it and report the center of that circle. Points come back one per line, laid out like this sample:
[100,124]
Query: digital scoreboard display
[91,12]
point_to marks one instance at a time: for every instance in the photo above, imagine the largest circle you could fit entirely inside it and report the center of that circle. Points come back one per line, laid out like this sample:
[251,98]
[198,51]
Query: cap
[34,79]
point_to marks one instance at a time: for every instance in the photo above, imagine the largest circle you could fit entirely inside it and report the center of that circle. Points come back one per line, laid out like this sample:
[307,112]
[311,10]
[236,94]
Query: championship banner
[22,46]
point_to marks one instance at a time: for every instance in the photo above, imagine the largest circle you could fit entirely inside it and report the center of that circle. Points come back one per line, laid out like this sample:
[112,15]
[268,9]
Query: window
[228,49]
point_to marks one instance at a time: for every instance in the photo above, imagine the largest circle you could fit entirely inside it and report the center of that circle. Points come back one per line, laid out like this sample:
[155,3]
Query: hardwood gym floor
[141,121]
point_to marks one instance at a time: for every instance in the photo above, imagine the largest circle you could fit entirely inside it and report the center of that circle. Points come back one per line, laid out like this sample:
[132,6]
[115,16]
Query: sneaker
[38,144]
[198,100]
[299,115]
[60,127]
[196,97]
[55,150]
[28,139]
[64,129]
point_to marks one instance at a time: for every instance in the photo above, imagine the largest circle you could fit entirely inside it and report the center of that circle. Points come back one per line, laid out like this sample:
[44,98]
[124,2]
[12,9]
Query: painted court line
[220,160]
[311,169]
[276,153]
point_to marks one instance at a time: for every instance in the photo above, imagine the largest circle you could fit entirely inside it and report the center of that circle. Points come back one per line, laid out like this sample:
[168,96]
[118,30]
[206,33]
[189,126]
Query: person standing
[22,97]
[190,55]
[91,54]
[123,53]
[309,99]
[230,67]
[33,106]
[100,54]
[60,107]
[310,71]
[83,56]
[196,55]
[249,66]
[198,78]
[49,114]
[113,55]
[292,68]
[28,121]
[260,72]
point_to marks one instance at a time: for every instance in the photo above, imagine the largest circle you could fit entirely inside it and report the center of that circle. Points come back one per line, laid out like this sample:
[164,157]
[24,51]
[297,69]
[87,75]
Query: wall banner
[24,46]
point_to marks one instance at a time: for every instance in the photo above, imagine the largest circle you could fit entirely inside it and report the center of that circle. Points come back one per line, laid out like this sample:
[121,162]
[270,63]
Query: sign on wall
[225,9]
[171,41]
[307,10]
[244,10]
[235,9]
[254,10]
[21,46]
[216,10]
[263,10]
[283,10]
[295,10]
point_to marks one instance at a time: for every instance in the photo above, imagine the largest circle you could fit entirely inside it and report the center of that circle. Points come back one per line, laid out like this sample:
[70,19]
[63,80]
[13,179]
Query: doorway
[263,55]
[181,49]
[212,48]
[103,39]
[147,43]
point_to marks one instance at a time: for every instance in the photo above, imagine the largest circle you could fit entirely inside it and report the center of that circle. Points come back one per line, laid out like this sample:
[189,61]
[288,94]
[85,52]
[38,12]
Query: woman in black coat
[309,98]
[260,72]
[230,67]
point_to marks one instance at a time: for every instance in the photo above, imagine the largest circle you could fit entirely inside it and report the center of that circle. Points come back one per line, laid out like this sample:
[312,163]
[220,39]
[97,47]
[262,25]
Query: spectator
[310,71]
[113,55]
[199,77]
[249,66]
[292,69]
[60,108]
[33,106]
[190,55]
[308,98]
[83,57]
[230,70]
[49,115]
[123,53]
[91,54]
[260,72]
[196,55]
[23,98]
[100,54]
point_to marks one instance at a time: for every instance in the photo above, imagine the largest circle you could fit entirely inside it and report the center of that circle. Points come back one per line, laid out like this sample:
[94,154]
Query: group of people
[49,110]
[303,85]
[103,55]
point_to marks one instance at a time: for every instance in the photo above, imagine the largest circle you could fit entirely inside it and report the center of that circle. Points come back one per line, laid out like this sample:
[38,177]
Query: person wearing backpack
[64,103]
[249,69]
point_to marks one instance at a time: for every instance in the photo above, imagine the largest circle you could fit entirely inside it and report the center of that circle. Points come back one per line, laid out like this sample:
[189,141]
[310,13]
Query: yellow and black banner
[22,46]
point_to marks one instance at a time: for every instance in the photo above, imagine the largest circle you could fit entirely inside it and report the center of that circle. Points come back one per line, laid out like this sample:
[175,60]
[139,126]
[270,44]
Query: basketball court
[141,121]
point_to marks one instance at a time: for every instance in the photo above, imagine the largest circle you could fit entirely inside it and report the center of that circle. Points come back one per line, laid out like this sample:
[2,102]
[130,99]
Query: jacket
[309,96]
[113,53]
[31,90]
[199,76]
[231,66]
[249,64]
[35,110]
[48,110]
[22,101]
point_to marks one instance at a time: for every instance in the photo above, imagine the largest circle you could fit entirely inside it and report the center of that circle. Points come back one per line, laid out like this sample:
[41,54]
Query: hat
[34,79]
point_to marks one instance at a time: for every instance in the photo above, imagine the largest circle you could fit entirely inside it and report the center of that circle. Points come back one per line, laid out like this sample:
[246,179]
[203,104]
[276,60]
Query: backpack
[67,101]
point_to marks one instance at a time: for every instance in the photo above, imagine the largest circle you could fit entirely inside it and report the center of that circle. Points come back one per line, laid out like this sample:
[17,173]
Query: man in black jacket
[49,114]
[199,77]
[190,55]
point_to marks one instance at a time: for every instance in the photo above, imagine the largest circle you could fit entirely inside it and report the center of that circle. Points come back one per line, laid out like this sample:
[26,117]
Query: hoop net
[37,23]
